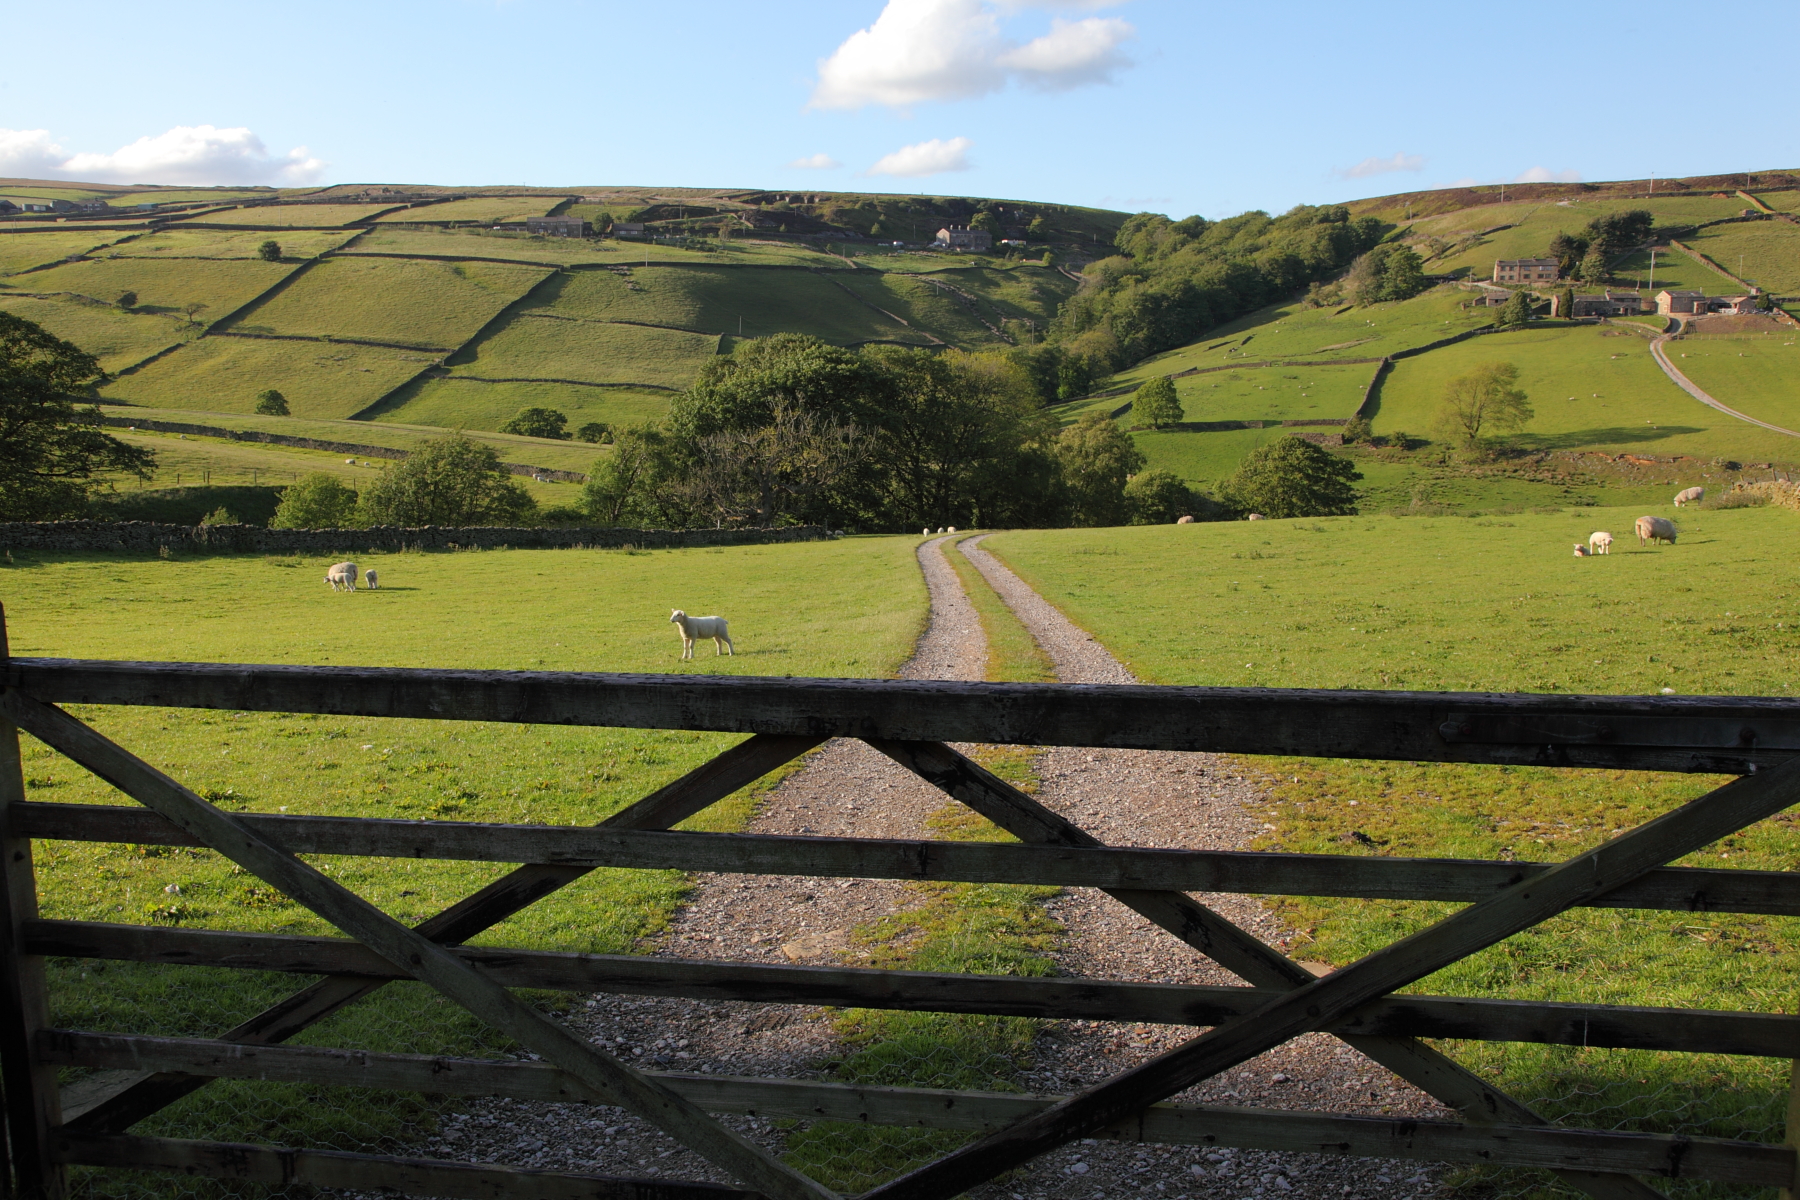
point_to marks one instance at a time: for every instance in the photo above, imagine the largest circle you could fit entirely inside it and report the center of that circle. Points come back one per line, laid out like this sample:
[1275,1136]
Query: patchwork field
[217,286]
[927,308]
[220,243]
[479,208]
[445,303]
[318,215]
[463,402]
[1470,240]
[224,374]
[1788,201]
[22,251]
[842,608]
[1672,269]
[118,339]
[1756,375]
[1272,393]
[713,299]
[546,347]
[1766,253]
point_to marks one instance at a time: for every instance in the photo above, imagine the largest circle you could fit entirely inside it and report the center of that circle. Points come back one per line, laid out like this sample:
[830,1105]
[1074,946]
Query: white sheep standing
[369,579]
[953,529]
[702,627]
[1655,529]
[924,533]
[341,577]
[1686,496]
[1600,542]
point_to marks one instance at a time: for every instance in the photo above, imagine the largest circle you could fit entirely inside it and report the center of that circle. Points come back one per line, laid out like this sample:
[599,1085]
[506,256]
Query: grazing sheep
[342,577]
[1581,551]
[952,529]
[1184,520]
[924,533]
[1655,529]
[369,579]
[1255,517]
[1600,542]
[702,627]
[1693,495]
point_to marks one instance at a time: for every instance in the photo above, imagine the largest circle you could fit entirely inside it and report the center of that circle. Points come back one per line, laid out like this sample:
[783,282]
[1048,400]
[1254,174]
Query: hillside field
[321,216]
[1470,240]
[217,285]
[1755,375]
[480,208]
[118,339]
[23,251]
[222,243]
[225,375]
[1766,253]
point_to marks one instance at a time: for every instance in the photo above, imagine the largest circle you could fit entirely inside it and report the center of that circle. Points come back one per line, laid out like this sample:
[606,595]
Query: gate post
[32,1105]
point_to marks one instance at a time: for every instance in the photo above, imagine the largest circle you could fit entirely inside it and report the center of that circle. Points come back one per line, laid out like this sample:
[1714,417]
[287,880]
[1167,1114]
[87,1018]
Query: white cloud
[192,154]
[925,158]
[1381,166]
[921,50]
[816,162]
[1546,175]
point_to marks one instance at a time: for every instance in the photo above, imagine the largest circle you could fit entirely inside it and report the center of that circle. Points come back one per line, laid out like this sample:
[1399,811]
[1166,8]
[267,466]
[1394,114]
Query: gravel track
[846,789]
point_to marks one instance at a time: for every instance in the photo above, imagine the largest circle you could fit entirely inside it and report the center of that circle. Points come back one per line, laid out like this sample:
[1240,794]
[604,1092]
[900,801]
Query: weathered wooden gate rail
[1757,739]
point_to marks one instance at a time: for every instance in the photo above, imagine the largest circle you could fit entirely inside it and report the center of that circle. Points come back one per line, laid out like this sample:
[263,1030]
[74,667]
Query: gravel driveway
[844,788]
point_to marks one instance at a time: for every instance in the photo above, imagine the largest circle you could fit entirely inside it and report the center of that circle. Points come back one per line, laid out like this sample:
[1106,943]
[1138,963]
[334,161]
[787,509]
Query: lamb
[1600,542]
[342,577]
[1655,529]
[1255,517]
[702,627]
[1186,520]
[369,579]
[1581,551]
[1693,495]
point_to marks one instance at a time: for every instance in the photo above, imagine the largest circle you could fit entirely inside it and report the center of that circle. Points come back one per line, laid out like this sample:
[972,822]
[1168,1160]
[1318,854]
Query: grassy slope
[220,243]
[164,287]
[1273,393]
[844,608]
[118,339]
[1637,407]
[481,208]
[481,243]
[1788,201]
[1293,603]
[1759,375]
[590,351]
[465,403]
[1533,225]
[22,251]
[1673,270]
[1766,253]
[317,215]
[224,375]
[446,303]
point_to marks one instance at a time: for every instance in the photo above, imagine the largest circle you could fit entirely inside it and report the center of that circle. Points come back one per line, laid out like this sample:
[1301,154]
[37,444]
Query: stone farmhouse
[1696,303]
[632,229]
[1605,304]
[961,237]
[1526,270]
[557,226]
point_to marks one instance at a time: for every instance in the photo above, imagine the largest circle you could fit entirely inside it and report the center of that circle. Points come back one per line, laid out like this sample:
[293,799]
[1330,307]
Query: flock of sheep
[1648,529]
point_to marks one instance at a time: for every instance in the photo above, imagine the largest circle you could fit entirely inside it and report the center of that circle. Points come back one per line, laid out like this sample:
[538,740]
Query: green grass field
[481,243]
[117,339]
[925,307]
[1501,605]
[464,402]
[445,303]
[548,347]
[1673,269]
[479,208]
[221,243]
[1766,253]
[1466,245]
[1755,375]
[187,196]
[224,374]
[1561,370]
[219,285]
[1272,393]
[1788,201]
[1202,459]
[842,608]
[317,215]
[22,251]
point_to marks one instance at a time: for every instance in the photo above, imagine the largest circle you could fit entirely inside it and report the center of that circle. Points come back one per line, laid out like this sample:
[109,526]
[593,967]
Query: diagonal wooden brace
[113,1101]
[1237,950]
[1672,835]
[414,953]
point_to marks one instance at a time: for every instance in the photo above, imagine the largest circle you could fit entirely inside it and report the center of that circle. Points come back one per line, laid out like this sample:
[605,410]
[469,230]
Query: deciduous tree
[269,251]
[451,480]
[1292,477]
[1484,402]
[1097,458]
[315,501]
[271,403]
[1157,498]
[1156,403]
[538,422]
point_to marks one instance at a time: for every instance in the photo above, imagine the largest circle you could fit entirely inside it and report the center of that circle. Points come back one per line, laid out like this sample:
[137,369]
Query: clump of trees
[1388,272]
[452,480]
[271,403]
[52,448]
[1485,402]
[1292,477]
[540,423]
[316,501]
[1584,255]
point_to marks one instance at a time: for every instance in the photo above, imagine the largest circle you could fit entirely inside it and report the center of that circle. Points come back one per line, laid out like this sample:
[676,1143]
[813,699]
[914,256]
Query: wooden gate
[1756,740]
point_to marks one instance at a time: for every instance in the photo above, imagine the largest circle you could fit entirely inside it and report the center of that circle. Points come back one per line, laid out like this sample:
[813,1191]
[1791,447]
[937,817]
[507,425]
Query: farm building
[628,229]
[1669,303]
[1492,297]
[1604,304]
[556,226]
[1526,270]
[961,237]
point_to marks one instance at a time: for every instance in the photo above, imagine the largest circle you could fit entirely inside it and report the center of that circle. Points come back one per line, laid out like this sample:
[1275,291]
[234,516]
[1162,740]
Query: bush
[1158,498]
[597,432]
[318,501]
[1516,310]
[220,516]
[127,300]
[563,514]
[271,403]
[1156,403]
[1356,429]
[269,251]
[539,423]
[450,480]
[1292,477]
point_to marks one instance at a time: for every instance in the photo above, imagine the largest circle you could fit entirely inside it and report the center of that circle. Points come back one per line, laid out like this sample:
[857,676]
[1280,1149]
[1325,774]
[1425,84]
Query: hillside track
[1680,380]
[845,789]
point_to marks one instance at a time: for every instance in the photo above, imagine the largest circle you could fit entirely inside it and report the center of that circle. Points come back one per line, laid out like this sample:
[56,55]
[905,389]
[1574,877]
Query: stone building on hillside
[961,237]
[1605,304]
[557,226]
[1526,270]
[1687,302]
[630,229]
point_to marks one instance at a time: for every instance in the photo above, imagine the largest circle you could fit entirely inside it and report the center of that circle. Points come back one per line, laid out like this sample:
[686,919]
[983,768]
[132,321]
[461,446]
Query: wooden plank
[112,1103]
[1681,889]
[361,1173]
[1238,951]
[1682,831]
[1725,734]
[31,1101]
[415,953]
[1697,1031]
[932,1108]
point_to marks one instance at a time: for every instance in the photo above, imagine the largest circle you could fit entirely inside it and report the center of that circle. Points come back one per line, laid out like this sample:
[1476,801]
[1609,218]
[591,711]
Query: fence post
[32,1105]
[1792,1138]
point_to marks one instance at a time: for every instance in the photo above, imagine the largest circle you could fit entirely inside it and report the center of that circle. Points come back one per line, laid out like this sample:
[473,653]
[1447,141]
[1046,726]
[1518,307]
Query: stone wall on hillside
[149,537]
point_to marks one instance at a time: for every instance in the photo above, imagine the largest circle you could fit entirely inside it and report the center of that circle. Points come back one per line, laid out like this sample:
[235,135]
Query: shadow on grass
[1611,436]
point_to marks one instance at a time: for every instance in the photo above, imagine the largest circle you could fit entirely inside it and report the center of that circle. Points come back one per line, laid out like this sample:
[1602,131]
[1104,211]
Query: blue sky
[1136,104]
